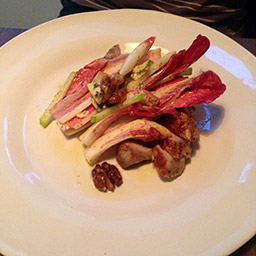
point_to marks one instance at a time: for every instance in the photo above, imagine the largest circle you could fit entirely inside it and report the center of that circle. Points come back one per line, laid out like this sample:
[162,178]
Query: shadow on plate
[208,117]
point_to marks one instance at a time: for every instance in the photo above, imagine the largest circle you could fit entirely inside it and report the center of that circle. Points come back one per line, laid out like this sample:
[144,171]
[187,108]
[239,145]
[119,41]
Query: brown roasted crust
[177,147]
[182,124]
[171,154]
[166,165]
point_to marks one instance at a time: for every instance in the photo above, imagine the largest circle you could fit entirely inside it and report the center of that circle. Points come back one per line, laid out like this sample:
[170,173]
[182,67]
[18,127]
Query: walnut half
[106,177]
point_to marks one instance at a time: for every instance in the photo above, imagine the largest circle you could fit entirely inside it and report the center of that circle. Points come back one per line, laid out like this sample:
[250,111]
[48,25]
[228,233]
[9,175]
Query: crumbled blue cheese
[95,88]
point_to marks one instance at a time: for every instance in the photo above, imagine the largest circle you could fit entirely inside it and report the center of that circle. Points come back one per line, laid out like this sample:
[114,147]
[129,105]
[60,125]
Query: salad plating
[141,101]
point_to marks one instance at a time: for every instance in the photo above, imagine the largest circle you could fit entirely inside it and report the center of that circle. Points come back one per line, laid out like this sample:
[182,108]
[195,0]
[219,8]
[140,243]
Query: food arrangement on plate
[142,102]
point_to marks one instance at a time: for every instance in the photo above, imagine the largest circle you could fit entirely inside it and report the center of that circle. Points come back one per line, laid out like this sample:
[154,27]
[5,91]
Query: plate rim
[19,37]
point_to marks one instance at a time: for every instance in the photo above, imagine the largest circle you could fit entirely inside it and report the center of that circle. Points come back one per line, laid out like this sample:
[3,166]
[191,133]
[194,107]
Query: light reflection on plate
[232,64]
[246,172]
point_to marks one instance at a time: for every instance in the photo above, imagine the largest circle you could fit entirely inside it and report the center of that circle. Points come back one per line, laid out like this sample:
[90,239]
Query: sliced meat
[132,152]
[182,124]
[177,147]
[167,166]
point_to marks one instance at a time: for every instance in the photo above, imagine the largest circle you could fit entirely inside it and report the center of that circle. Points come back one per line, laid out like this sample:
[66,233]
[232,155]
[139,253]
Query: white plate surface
[49,205]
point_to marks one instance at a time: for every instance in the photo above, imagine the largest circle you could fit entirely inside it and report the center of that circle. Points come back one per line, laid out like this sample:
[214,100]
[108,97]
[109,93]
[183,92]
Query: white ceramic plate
[49,205]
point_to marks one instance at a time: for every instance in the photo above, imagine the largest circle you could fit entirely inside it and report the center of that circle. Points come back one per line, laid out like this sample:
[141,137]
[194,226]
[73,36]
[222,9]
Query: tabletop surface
[248,249]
